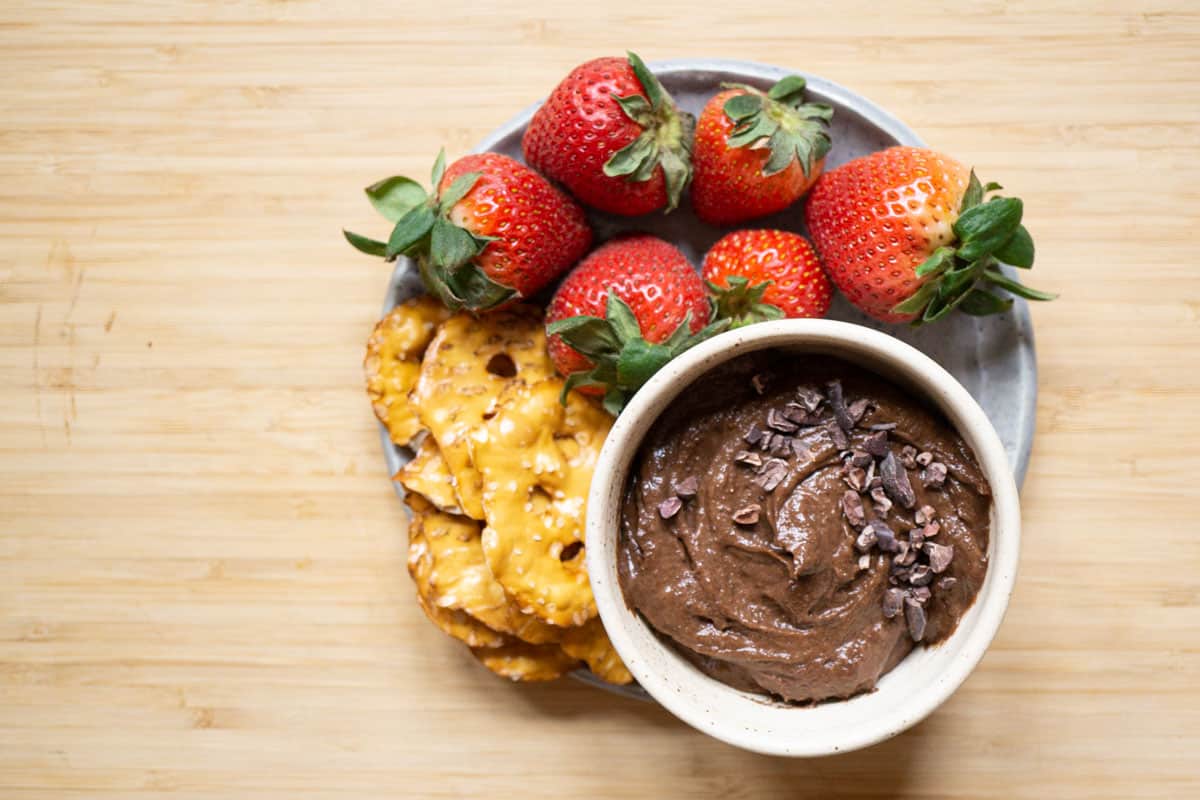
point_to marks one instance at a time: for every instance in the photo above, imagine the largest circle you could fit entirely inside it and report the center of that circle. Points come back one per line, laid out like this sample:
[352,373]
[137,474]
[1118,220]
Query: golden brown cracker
[521,661]
[590,644]
[427,475]
[421,567]
[459,579]
[393,362]
[536,457]
[467,365]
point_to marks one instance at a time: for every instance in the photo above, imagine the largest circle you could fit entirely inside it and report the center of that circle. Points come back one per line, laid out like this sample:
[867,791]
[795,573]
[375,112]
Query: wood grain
[202,590]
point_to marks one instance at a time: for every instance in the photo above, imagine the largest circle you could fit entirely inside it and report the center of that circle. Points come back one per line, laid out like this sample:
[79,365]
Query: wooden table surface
[202,583]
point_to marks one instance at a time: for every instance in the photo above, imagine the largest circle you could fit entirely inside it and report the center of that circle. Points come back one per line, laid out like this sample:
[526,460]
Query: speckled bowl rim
[748,720]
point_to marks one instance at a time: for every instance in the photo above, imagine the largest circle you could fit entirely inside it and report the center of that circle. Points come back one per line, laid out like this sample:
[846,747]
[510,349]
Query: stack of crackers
[498,487]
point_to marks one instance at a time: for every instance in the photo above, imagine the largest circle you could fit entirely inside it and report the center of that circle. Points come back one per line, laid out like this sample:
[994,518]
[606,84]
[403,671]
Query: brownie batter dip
[795,524]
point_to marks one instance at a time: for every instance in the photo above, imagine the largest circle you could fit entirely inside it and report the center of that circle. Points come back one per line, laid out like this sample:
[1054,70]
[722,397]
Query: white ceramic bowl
[904,696]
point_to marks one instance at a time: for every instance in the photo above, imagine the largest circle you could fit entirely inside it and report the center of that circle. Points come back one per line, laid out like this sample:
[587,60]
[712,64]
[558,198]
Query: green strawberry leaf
[992,186]
[630,158]
[817,135]
[1018,250]
[476,289]
[676,342]
[396,196]
[621,317]
[451,246]
[941,260]
[936,309]
[568,324]
[637,108]
[614,401]
[645,170]
[439,169]
[763,312]
[363,244]
[638,362]
[802,151]
[605,370]
[676,174]
[591,336]
[816,111]
[787,89]
[783,150]
[919,299]
[578,380]
[410,231]
[742,106]
[435,283]
[982,229]
[979,303]
[457,190]
[755,128]
[943,304]
[999,279]
[955,280]
[655,93]
[974,194]
[740,302]
[707,332]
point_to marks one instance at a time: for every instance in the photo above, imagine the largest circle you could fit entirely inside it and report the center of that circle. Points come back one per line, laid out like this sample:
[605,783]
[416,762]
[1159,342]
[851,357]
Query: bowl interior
[904,695]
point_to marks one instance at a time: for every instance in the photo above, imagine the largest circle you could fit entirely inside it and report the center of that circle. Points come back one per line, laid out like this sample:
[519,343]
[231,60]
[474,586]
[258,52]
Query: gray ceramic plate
[993,357]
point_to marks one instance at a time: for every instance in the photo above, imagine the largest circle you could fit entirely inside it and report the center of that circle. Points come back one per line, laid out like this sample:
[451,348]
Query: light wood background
[202,590]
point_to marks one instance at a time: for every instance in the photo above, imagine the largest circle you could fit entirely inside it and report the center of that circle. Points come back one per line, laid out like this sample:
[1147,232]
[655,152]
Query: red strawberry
[757,275]
[757,153]
[626,310]
[906,234]
[495,230]
[612,135]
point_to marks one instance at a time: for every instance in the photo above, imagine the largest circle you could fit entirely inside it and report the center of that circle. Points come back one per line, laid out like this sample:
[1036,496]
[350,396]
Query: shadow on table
[884,770]
[568,698]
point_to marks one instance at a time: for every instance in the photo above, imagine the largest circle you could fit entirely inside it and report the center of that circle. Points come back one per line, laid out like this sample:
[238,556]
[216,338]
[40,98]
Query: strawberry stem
[622,359]
[665,141]
[988,233]
[781,121]
[740,302]
[445,252]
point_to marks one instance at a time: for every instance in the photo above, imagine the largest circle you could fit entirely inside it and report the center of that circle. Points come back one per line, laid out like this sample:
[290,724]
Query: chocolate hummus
[795,524]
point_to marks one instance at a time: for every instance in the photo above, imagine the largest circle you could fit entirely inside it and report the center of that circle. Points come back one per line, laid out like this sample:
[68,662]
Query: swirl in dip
[795,524]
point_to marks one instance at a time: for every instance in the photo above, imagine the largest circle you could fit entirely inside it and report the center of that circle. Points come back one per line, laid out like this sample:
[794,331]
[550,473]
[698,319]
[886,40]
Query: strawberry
[757,275]
[492,232]
[907,235]
[625,311]
[757,153]
[612,135]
